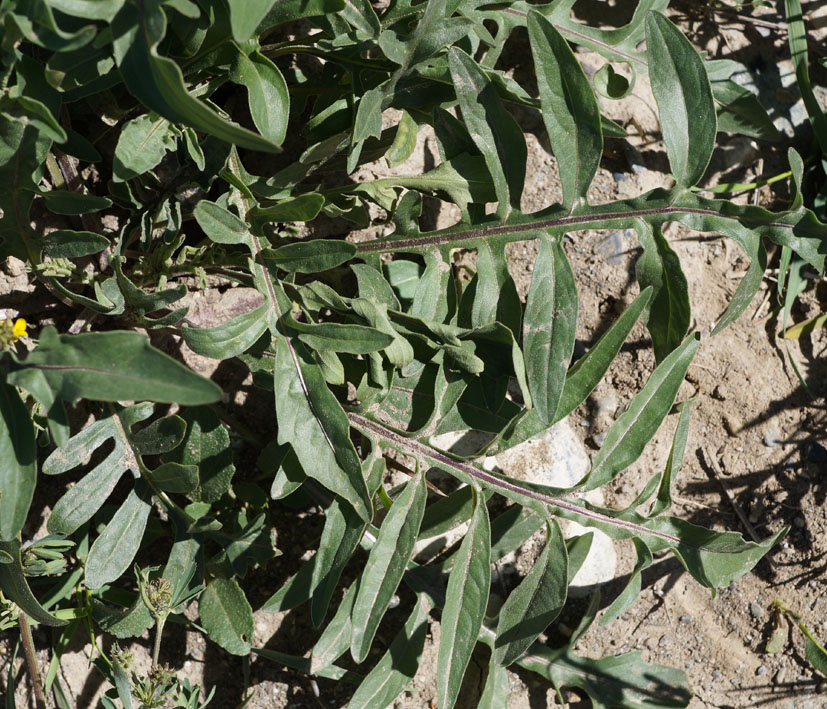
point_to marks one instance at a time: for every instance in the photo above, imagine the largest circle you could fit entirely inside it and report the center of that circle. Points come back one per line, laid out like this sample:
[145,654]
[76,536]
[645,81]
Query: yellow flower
[19,329]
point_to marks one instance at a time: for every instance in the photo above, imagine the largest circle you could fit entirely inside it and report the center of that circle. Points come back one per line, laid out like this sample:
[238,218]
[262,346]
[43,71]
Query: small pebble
[762,670]
[780,676]
[756,611]
[816,453]
[686,619]
[771,437]
[665,641]
[719,393]
[619,177]
[800,522]
[732,425]
[716,674]
[599,439]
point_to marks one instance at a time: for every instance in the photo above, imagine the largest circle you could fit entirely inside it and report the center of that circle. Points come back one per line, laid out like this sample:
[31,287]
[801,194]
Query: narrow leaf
[386,564]
[667,316]
[536,602]
[16,588]
[549,327]
[18,462]
[466,599]
[230,338]
[398,665]
[246,15]
[570,109]
[635,427]
[267,94]
[493,130]
[587,372]
[684,98]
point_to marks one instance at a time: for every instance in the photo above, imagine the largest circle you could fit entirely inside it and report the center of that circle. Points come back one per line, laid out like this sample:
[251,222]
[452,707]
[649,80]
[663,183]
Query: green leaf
[295,590]
[635,427]
[684,98]
[361,15]
[613,681]
[549,327]
[536,602]
[466,599]
[207,446]
[266,93]
[343,530]
[15,587]
[29,110]
[113,551]
[797,36]
[226,616]
[301,208]
[668,316]
[816,656]
[739,110]
[230,338]
[663,501]
[174,477]
[68,202]
[246,15]
[368,121]
[18,462]
[779,636]
[570,109]
[158,83]
[386,564]
[142,144]
[399,664]
[111,366]
[309,256]
[494,131]
[221,225]
[335,337]
[312,421]
[66,243]
[435,31]
[335,639]
[608,83]
[404,142]
[587,372]
[632,589]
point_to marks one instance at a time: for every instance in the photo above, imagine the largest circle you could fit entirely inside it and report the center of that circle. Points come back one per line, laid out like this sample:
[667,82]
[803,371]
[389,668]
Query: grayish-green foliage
[359,347]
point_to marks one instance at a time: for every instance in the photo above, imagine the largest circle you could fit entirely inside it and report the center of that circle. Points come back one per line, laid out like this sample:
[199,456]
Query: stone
[555,458]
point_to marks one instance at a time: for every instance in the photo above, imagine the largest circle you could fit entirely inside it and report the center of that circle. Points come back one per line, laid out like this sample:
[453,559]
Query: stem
[159,629]
[31,659]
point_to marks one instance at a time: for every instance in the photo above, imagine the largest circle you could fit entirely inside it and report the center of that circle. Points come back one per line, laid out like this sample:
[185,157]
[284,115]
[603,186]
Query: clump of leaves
[141,128]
